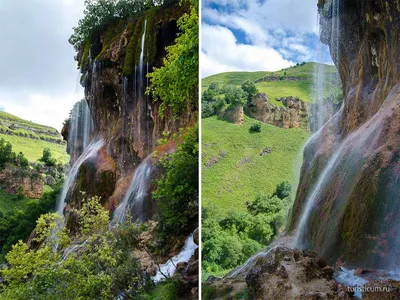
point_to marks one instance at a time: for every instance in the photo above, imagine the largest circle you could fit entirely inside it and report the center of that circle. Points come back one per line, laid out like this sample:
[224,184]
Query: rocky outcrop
[353,162]
[294,112]
[124,117]
[17,181]
[233,114]
[279,273]
[278,78]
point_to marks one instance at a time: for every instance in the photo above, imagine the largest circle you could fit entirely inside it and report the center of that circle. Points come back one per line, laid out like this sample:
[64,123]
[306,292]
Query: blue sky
[255,35]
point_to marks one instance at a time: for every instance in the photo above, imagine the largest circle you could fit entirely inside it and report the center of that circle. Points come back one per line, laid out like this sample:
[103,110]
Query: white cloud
[39,75]
[221,52]
[40,108]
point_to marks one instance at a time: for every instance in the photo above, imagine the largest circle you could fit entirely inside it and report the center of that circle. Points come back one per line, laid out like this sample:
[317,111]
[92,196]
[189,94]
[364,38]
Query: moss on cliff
[132,49]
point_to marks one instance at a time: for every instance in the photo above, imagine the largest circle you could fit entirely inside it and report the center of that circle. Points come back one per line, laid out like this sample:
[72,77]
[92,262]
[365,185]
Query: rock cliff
[294,112]
[16,181]
[347,203]
[114,64]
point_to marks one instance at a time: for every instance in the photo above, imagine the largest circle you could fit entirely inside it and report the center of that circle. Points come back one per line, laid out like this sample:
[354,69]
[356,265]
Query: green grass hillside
[240,171]
[301,88]
[10,202]
[31,138]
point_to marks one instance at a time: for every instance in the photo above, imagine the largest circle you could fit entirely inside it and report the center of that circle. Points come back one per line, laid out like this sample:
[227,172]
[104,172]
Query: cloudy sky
[38,78]
[258,35]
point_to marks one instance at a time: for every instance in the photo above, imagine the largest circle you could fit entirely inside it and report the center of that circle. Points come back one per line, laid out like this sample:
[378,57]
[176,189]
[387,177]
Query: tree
[47,158]
[180,67]
[250,88]
[234,96]
[100,267]
[177,191]
[22,161]
[6,154]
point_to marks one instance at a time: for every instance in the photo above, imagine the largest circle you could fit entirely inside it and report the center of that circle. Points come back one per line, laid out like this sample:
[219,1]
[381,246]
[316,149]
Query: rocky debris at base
[280,273]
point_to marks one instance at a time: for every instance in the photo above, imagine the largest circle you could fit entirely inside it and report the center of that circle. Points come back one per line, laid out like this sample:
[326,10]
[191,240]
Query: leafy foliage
[177,191]
[47,158]
[255,127]
[230,239]
[250,88]
[18,224]
[216,98]
[101,267]
[8,156]
[99,13]
[175,84]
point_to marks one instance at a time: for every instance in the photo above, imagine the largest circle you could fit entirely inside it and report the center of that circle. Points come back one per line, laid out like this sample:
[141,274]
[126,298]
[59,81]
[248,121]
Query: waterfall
[80,129]
[169,267]
[90,151]
[134,199]
[141,64]
[324,81]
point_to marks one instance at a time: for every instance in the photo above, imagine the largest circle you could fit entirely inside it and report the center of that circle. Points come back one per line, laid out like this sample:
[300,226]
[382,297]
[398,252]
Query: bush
[234,95]
[250,88]
[256,127]
[177,191]
[101,267]
[6,154]
[180,67]
[229,239]
[47,158]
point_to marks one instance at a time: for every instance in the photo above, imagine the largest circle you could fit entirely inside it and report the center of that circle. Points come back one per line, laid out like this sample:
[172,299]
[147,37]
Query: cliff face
[294,112]
[114,65]
[17,181]
[347,203]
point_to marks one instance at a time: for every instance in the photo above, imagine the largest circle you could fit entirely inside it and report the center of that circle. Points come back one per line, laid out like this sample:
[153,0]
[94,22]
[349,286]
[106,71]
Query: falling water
[141,64]
[324,80]
[80,129]
[134,200]
[90,151]
[320,92]
[168,269]
[310,201]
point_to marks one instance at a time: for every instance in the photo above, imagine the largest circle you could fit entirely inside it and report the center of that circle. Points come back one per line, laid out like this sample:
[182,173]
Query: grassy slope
[229,184]
[32,148]
[275,89]
[9,202]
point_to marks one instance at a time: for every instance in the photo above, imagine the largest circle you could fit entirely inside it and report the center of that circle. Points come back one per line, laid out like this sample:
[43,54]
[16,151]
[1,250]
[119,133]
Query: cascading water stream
[169,268]
[90,151]
[134,199]
[320,93]
[141,61]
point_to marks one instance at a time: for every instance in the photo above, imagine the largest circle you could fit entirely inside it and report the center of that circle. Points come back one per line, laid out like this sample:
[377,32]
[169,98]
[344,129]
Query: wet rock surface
[357,152]
[280,273]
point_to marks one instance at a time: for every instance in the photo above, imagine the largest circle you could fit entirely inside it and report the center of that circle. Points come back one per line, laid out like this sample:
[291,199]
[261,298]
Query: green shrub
[177,191]
[181,66]
[250,88]
[256,127]
[47,158]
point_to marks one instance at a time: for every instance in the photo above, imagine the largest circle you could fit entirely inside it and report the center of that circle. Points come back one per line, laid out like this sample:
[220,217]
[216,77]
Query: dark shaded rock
[49,180]
[196,236]
[266,151]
